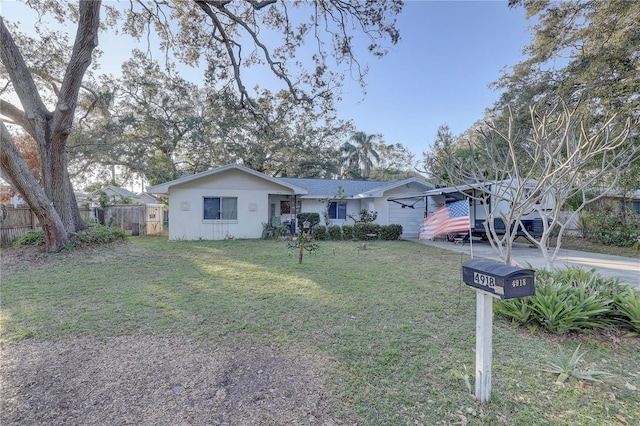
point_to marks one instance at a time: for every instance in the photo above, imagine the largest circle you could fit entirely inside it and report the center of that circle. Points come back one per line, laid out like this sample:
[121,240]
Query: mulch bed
[146,380]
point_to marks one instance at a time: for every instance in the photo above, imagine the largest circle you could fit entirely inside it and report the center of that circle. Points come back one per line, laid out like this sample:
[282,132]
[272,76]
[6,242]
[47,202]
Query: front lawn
[390,328]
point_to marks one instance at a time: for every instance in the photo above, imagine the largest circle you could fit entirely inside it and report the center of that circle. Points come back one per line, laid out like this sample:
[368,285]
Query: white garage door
[400,212]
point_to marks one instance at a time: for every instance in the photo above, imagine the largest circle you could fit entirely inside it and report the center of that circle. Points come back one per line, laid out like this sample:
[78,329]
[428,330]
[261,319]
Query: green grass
[578,243]
[393,322]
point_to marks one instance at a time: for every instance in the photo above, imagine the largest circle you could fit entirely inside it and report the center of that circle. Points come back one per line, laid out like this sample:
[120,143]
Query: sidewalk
[626,269]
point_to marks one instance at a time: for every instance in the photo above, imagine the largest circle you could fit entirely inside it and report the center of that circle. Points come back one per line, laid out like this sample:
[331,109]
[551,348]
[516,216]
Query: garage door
[401,212]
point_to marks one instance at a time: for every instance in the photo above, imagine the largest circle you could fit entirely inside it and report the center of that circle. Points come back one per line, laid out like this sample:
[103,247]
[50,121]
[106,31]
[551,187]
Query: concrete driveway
[626,269]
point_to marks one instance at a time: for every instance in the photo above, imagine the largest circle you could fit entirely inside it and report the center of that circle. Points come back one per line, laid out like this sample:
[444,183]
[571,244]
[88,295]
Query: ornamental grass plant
[574,300]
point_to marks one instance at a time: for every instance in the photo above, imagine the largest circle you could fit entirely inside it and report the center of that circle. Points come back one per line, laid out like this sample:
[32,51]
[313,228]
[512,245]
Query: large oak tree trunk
[17,171]
[49,129]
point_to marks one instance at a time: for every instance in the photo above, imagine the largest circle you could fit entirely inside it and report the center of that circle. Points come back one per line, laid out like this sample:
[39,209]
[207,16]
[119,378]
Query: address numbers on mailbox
[507,282]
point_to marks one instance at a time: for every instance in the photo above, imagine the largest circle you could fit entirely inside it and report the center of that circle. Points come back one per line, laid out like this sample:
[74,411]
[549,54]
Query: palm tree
[359,154]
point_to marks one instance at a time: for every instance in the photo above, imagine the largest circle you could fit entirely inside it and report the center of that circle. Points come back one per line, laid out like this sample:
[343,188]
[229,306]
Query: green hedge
[362,231]
[335,232]
[319,232]
[313,218]
[347,232]
[390,232]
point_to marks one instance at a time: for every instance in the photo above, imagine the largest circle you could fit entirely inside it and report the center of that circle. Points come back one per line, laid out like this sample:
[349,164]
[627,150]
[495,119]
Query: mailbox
[507,282]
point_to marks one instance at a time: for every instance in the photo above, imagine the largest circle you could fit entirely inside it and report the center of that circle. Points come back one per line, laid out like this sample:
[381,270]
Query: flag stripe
[452,217]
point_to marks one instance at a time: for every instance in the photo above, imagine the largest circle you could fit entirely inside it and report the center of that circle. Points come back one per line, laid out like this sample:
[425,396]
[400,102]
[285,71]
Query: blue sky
[438,74]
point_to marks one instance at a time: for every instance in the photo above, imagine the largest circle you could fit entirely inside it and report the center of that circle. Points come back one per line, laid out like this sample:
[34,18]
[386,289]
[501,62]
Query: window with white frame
[337,210]
[220,208]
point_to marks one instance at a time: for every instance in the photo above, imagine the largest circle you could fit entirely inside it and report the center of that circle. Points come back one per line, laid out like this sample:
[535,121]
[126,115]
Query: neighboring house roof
[122,191]
[163,188]
[148,198]
[350,188]
[632,195]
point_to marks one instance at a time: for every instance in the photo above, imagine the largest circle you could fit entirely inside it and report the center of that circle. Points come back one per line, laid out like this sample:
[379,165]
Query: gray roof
[122,191]
[330,187]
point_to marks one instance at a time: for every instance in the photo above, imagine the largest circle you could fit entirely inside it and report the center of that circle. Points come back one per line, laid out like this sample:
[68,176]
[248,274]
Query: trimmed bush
[390,232]
[347,232]
[362,231]
[313,218]
[319,232]
[335,232]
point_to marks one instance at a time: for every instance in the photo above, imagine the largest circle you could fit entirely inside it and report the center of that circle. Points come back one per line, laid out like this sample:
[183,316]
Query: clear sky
[438,74]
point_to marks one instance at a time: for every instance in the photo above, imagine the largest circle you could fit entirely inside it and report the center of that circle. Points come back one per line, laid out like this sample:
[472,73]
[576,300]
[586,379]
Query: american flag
[452,217]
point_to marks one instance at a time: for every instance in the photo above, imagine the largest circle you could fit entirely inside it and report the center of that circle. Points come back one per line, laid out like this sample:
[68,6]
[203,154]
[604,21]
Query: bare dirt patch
[159,381]
[28,258]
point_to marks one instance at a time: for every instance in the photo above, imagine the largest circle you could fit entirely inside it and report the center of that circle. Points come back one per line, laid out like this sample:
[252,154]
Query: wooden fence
[142,219]
[136,219]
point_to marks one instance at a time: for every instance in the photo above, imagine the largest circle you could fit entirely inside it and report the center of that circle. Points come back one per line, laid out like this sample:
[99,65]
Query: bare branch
[17,116]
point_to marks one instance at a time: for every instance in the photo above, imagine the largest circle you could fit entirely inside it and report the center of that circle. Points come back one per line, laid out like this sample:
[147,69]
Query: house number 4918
[484,280]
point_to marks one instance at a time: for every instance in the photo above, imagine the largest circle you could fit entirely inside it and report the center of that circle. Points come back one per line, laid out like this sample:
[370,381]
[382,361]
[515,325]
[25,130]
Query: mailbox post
[492,280]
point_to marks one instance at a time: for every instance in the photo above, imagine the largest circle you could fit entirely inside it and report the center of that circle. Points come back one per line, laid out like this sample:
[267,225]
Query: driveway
[626,269]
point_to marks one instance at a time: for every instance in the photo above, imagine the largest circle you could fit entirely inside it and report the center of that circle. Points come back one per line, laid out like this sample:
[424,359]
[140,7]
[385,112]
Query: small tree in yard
[303,243]
[562,157]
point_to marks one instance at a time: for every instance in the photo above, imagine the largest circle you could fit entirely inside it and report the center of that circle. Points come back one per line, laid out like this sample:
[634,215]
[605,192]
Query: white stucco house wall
[236,201]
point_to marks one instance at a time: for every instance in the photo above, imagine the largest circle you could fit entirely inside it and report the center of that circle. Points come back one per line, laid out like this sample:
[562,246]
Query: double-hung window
[220,208]
[337,210]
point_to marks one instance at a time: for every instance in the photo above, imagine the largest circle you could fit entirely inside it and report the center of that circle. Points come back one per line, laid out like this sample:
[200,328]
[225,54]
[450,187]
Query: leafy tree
[153,121]
[191,31]
[584,53]
[395,162]
[360,155]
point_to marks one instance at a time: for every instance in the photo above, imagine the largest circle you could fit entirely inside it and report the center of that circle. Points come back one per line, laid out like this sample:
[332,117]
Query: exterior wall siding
[187,204]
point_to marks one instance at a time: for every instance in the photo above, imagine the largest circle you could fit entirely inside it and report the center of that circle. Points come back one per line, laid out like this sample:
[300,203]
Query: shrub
[94,234]
[97,234]
[605,228]
[627,309]
[362,230]
[566,301]
[319,232]
[561,308]
[313,218]
[347,232]
[366,216]
[31,238]
[335,232]
[390,232]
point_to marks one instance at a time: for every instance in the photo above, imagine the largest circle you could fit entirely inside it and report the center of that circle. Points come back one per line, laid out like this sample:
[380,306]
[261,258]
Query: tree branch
[17,116]
[22,80]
